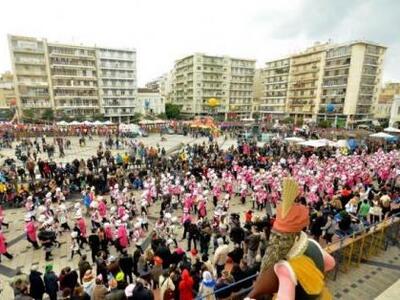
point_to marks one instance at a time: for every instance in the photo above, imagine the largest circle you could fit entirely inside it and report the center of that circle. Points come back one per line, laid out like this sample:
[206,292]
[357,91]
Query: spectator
[207,285]
[185,286]
[36,284]
[51,282]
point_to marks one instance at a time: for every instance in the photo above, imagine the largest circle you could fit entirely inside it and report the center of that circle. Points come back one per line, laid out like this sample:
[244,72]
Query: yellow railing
[351,250]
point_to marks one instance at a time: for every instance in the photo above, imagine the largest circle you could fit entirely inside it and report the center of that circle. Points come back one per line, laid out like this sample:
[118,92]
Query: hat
[49,268]
[111,259]
[290,191]
[193,252]
[78,215]
[28,217]
[112,283]
[74,234]
[158,260]
[88,275]
[129,290]
[179,251]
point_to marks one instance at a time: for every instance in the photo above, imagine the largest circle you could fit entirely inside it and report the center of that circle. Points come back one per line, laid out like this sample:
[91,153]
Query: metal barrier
[361,245]
[351,249]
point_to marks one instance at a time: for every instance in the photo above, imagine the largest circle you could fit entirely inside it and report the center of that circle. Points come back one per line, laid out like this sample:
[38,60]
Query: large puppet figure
[293,266]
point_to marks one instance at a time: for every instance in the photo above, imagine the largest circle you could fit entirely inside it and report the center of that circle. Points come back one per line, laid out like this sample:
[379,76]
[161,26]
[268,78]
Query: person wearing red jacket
[3,246]
[186,286]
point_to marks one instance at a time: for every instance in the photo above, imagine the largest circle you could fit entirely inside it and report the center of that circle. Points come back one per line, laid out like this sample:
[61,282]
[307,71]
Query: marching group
[191,252]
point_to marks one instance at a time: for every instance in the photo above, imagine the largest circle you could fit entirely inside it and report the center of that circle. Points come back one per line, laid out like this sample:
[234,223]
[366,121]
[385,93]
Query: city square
[208,150]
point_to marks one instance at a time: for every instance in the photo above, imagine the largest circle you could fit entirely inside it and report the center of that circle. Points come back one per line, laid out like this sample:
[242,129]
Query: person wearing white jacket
[206,289]
[166,283]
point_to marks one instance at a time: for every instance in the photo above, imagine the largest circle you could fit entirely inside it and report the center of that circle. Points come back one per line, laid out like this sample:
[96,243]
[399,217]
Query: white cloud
[165,30]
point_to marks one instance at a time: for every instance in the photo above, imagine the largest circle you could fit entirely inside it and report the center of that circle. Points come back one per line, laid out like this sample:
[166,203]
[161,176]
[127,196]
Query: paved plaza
[366,282]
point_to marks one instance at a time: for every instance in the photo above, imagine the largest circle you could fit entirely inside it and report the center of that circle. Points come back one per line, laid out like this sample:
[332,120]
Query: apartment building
[31,73]
[7,91]
[166,86]
[275,78]
[199,77]
[385,100]
[150,102]
[257,92]
[337,82]
[394,120]
[73,84]
[117,83]
[73,80]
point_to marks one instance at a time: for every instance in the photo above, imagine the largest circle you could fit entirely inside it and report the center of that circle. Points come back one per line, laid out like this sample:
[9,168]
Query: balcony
[107,87]
[34,95]
[62,76]
[29,62]
[74,55]
[117,67]
[87,87]
[27,73]
[28,50]
[33,84]
[36,104]
[75,96]
[105,58]
[79,66]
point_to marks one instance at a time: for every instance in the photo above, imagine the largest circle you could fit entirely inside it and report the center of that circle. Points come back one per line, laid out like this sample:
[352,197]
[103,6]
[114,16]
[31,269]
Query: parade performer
[293,266]
[30,229]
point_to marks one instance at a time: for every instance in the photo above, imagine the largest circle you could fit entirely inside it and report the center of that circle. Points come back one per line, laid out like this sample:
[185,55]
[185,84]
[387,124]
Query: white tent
[75,123]
[313,143]
[62,123]
[392,129]
[294,139]
[97,123]
[108,122]
[342,144]
[327,142]
[381,135]
[87,123]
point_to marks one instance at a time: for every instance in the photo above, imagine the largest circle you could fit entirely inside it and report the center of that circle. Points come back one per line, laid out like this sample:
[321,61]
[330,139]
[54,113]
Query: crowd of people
[199,245]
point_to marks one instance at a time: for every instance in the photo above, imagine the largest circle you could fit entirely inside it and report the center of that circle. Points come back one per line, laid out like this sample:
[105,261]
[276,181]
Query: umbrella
[381,135]
[62,123]
[392,129]
[75,123]
[97,122]
[108,122]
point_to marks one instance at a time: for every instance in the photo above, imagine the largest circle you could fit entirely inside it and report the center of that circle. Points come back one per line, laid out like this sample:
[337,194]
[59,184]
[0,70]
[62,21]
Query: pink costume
[30,230]
[122,236]
[202,209]
[108,233]
[102,209]
[121,212]
[3,245]
[82,226]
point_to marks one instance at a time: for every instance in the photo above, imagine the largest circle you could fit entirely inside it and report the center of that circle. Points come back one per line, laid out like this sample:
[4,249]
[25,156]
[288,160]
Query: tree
[28,114]
[48,114]
[288,120]
[256,116]
[162,116]
[99,117]
[136,117]
[325,123]
[173,111]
